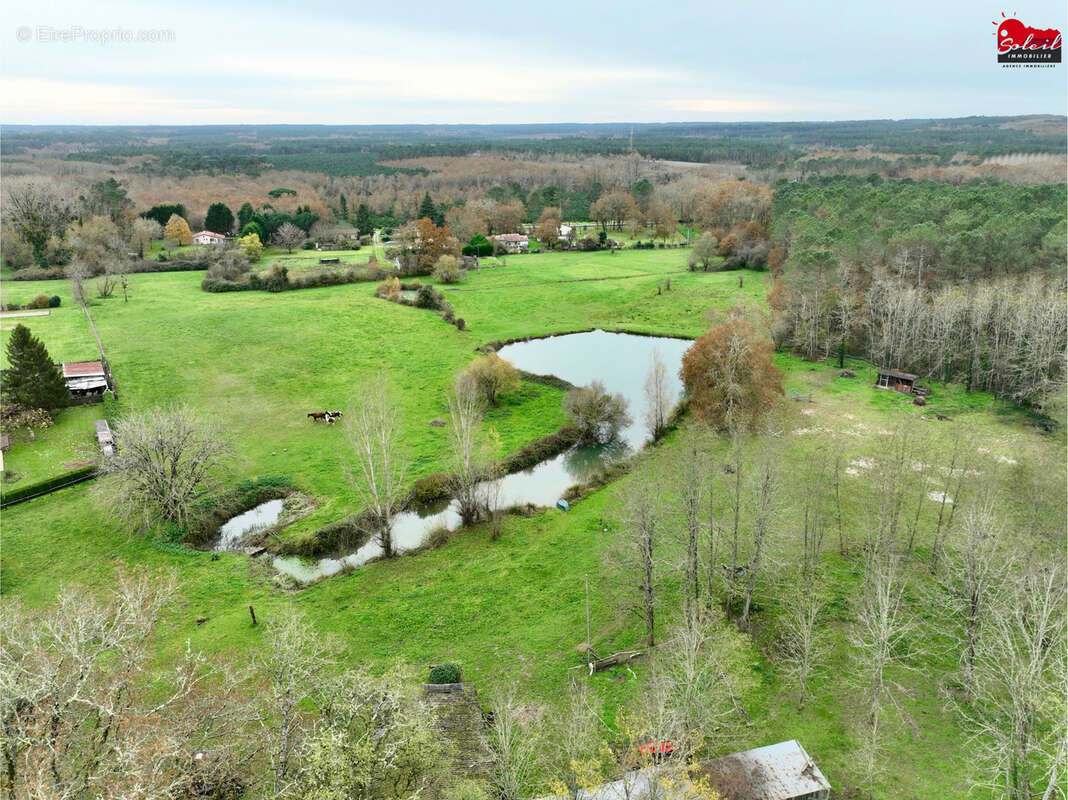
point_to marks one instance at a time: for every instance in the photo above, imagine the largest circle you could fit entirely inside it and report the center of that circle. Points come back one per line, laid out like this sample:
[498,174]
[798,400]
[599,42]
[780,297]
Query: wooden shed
[85,378]
[897,380]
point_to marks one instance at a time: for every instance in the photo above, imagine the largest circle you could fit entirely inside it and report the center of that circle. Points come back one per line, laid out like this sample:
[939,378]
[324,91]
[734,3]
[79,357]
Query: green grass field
[511,609]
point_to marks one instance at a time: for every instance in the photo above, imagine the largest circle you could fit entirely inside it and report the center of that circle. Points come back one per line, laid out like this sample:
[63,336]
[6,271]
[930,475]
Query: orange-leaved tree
[730,377]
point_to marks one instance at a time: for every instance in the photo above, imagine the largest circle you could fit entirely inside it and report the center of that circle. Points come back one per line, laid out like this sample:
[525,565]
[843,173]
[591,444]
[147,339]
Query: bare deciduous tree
[802,637]
[293,667]
[658,397]
[119,272]
[78,273]
[288,236]
[573,756]
[373,425]
[642,513]
[144,232]
[699,664]
[84,711]
[375,740]
[513,742]
[598,415]
[691,487]
[734,471]
[1017,711]
[37,212]
[164,459]
[976,566]
[880,642]
[766,508]
[468,447]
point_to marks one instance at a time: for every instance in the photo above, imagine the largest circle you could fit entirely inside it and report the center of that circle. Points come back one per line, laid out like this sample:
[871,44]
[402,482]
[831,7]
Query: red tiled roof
[78,368]
[209,233]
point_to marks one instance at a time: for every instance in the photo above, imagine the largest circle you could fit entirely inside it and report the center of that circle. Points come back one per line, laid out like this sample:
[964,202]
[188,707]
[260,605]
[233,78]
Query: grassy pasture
[512,608]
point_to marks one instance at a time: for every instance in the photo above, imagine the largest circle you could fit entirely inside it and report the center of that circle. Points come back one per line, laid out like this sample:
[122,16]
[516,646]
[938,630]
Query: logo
[1017,42]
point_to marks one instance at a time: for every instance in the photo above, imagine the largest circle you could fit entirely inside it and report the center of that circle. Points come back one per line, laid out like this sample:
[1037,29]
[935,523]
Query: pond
[255,519]
[620,361]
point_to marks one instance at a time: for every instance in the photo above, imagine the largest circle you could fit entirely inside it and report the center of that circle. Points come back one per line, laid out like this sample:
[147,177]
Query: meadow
[513,608]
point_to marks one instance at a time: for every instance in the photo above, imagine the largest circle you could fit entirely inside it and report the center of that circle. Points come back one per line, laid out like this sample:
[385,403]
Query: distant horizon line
[17,125]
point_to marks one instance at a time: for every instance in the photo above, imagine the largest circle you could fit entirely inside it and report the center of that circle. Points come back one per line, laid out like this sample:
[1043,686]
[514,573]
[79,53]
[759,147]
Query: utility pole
[587,617]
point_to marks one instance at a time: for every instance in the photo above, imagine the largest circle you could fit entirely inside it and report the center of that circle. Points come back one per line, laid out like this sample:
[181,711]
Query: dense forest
[953,282]
[358,150]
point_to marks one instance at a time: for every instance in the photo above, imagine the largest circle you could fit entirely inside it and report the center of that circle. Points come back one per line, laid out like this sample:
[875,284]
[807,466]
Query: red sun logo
[1014,35]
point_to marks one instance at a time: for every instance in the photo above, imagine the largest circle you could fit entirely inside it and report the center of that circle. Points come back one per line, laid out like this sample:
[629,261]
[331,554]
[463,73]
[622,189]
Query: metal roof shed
[780,771]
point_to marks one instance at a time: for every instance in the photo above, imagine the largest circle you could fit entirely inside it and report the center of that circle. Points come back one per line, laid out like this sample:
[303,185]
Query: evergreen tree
[343,212]
[220,218]
[363,219]
[164,211]
[32,380]
[108,197]
[427,209]
[244,215]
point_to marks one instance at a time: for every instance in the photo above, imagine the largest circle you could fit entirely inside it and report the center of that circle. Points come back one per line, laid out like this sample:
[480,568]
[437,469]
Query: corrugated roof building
[780,771]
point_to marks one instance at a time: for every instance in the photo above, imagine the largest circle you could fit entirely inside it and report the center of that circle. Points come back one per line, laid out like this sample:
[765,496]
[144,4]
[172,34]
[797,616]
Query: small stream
[619,360]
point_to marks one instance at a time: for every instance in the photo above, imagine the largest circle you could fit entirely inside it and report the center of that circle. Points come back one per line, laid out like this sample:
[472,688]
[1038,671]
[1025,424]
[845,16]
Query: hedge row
[541,449]
[547,380]
[19,493]
[281,282]
[344,535]
[60,273]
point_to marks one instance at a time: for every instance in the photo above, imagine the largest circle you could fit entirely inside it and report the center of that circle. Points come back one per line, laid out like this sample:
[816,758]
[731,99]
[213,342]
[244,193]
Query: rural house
[513,242]
[85,378]
[208,237]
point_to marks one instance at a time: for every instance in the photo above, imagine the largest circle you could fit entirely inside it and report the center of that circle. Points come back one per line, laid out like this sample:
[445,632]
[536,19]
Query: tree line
[962,283]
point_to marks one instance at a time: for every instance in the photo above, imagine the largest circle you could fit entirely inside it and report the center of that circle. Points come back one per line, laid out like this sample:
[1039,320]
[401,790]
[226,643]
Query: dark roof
[896,373]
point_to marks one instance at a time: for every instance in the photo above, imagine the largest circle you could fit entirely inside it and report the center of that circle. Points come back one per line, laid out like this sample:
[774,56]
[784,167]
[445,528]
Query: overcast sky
[481,61]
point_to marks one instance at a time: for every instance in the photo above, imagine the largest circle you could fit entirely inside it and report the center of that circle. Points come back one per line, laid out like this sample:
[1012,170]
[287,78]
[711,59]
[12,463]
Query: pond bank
[544,471]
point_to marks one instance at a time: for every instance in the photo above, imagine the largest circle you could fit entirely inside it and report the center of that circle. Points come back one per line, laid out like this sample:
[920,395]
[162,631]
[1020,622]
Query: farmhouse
[208,237]
[513,242]
[85,378]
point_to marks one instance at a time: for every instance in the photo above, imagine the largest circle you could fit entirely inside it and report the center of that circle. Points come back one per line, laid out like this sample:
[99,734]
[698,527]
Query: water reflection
[255,519]
[621,361]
